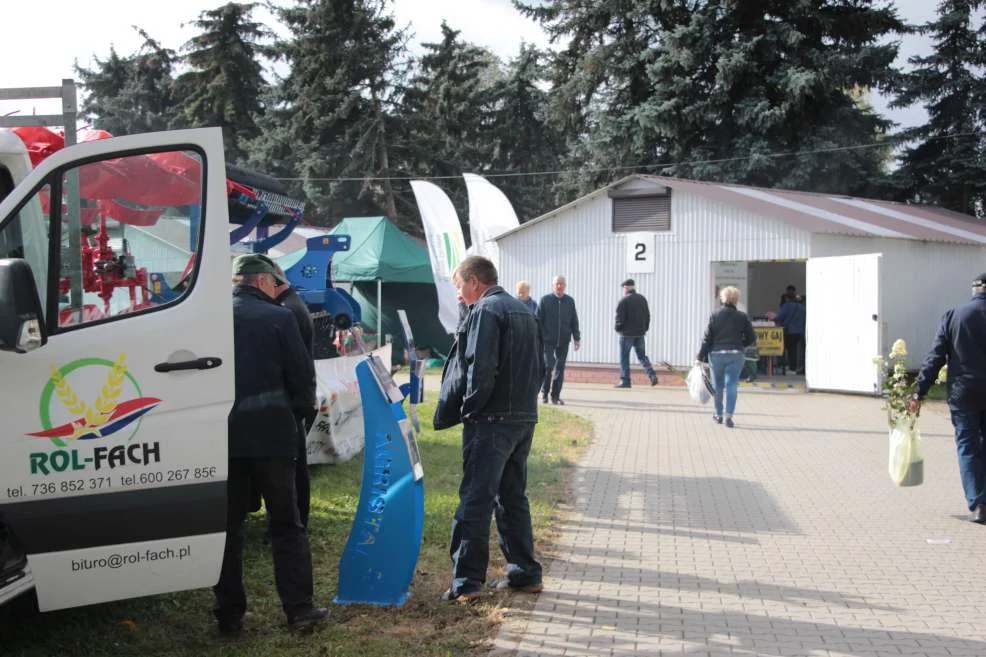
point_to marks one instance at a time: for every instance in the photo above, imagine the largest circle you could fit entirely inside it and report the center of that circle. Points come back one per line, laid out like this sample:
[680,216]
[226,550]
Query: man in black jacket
[961,345]
[559,323]
[490,385]
[632,323]
[273,383]
[286,296]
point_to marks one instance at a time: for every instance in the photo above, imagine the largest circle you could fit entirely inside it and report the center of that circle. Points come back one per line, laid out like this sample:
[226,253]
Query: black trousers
[794,350]
[275,479]
[555,357]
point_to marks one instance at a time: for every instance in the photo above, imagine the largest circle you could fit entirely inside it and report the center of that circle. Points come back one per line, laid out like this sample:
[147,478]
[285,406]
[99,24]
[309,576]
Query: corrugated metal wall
[919,281]
[579,244]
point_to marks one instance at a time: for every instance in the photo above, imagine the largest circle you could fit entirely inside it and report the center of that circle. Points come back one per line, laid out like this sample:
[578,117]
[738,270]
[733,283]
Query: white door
[114,454]
[843,313]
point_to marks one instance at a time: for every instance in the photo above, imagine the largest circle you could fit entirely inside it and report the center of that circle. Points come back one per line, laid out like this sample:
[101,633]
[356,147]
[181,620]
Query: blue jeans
[970,440]
[554,369]
[494,478]
[726,368]
[626,343]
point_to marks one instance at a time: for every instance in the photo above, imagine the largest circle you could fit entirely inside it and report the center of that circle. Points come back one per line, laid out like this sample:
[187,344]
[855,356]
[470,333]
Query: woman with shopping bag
[729,332]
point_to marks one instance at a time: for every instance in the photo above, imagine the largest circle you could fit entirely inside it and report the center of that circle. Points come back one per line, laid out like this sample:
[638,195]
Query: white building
[871,271]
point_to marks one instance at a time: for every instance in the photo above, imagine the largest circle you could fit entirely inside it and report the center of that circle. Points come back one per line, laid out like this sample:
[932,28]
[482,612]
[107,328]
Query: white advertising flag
[446,247]
[490,214]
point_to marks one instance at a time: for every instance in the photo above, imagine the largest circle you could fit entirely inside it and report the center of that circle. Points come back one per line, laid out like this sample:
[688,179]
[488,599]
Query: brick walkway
[782,537]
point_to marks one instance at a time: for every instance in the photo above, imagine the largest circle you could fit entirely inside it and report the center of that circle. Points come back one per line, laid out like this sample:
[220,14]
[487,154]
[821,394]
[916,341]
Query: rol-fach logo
[89,399]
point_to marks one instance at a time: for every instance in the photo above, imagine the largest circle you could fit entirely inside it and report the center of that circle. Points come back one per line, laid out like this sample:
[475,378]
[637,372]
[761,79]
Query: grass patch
[180,625]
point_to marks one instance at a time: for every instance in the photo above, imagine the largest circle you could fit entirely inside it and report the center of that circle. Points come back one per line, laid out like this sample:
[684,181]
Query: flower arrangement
[898,387]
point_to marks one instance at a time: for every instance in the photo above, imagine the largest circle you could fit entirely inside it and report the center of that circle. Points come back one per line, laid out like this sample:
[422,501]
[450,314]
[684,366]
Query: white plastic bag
[905,463]
[697,386]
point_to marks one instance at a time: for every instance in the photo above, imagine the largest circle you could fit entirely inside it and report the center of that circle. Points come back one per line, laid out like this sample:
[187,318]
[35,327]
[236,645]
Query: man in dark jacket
[273,382]
[632,323]
[559,323]
[287,297]
[490,384]
[961,345]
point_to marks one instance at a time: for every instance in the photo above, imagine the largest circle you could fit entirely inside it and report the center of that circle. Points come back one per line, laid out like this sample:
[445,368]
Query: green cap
[256,263]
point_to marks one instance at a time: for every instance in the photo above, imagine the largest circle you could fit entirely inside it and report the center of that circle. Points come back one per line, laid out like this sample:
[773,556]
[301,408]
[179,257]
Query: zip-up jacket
[960,344]
[274,374]
[496,366]
[729,329]
[632,316]
[558,319]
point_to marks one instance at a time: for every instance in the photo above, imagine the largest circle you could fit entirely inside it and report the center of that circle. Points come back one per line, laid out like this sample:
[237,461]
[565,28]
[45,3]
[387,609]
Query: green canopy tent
[389,271]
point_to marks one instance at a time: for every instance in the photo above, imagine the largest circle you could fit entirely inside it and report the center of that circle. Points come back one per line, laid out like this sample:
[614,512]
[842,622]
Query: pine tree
[326,121]
[947,166]
[225,83]
[523,140]
[719,87]
[130,95]
[443,117]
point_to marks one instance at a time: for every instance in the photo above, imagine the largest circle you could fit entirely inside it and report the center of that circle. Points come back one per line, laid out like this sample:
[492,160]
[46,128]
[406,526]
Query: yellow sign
[770,340]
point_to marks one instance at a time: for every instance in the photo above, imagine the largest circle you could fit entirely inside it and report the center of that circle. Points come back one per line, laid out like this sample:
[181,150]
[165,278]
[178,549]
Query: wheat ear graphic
[110,392]
[66,395]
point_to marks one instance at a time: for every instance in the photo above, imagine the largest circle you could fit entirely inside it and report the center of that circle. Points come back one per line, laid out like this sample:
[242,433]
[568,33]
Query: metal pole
[379,313]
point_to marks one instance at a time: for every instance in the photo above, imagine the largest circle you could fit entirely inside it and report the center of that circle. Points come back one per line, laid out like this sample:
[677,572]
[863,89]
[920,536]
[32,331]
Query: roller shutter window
[642,213]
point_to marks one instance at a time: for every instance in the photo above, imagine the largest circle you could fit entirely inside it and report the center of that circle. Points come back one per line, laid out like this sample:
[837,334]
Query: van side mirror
[21,316]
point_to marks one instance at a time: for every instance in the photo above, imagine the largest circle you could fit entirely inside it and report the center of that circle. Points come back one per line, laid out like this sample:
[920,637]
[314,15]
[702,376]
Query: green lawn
[181,624]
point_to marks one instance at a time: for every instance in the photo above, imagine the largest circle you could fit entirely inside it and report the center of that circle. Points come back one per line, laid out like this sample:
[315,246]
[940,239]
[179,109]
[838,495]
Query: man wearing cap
[273,382]
[961,345]
[632,323]
[286,296]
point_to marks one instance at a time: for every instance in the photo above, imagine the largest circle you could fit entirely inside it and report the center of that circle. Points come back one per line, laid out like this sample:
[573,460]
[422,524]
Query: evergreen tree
[130,95]
[718,87]
[225,83]
[947,167]
[444,118]
[523,140]
[326,120]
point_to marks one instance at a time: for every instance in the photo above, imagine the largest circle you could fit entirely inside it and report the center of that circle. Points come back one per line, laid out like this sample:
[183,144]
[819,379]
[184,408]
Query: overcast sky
[38,49]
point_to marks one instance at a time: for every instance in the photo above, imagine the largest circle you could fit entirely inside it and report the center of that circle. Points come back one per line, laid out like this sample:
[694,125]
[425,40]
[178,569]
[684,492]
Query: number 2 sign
[640,253]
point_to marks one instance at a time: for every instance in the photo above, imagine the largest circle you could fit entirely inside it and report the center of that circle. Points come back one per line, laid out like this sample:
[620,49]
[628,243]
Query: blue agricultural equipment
[261,211]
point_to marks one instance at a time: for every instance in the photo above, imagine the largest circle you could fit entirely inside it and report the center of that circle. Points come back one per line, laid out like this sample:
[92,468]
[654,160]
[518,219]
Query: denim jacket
[496,366]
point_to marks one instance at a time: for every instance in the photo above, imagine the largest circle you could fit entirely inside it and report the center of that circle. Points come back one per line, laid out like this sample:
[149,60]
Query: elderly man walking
[490,385]
[559,326]
[632,323]
[961,345]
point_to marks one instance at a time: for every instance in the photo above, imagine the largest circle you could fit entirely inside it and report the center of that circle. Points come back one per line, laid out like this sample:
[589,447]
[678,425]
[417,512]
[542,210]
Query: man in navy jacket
[559,326]
[961,344]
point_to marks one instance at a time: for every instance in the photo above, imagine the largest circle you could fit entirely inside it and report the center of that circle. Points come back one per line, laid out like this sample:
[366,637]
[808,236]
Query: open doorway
[763,284]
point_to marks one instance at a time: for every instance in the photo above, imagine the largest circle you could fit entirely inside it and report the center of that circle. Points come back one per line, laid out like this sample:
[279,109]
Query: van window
[24,234]
[129,235]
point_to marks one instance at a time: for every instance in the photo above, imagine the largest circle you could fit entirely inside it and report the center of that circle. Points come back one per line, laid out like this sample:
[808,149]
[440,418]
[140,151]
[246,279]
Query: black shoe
[717,419]
[979,514]
[729,422]
[557,401]
[622,385]
[544,399]
[231,627]
[505,585]
[309,618]
[653,381]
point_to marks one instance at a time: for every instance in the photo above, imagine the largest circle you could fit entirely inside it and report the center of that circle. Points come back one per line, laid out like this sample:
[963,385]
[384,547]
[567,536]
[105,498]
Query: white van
[113,458]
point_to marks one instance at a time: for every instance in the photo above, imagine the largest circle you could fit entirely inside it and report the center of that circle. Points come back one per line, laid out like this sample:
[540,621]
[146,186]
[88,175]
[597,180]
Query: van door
[843,315]
[114,455]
